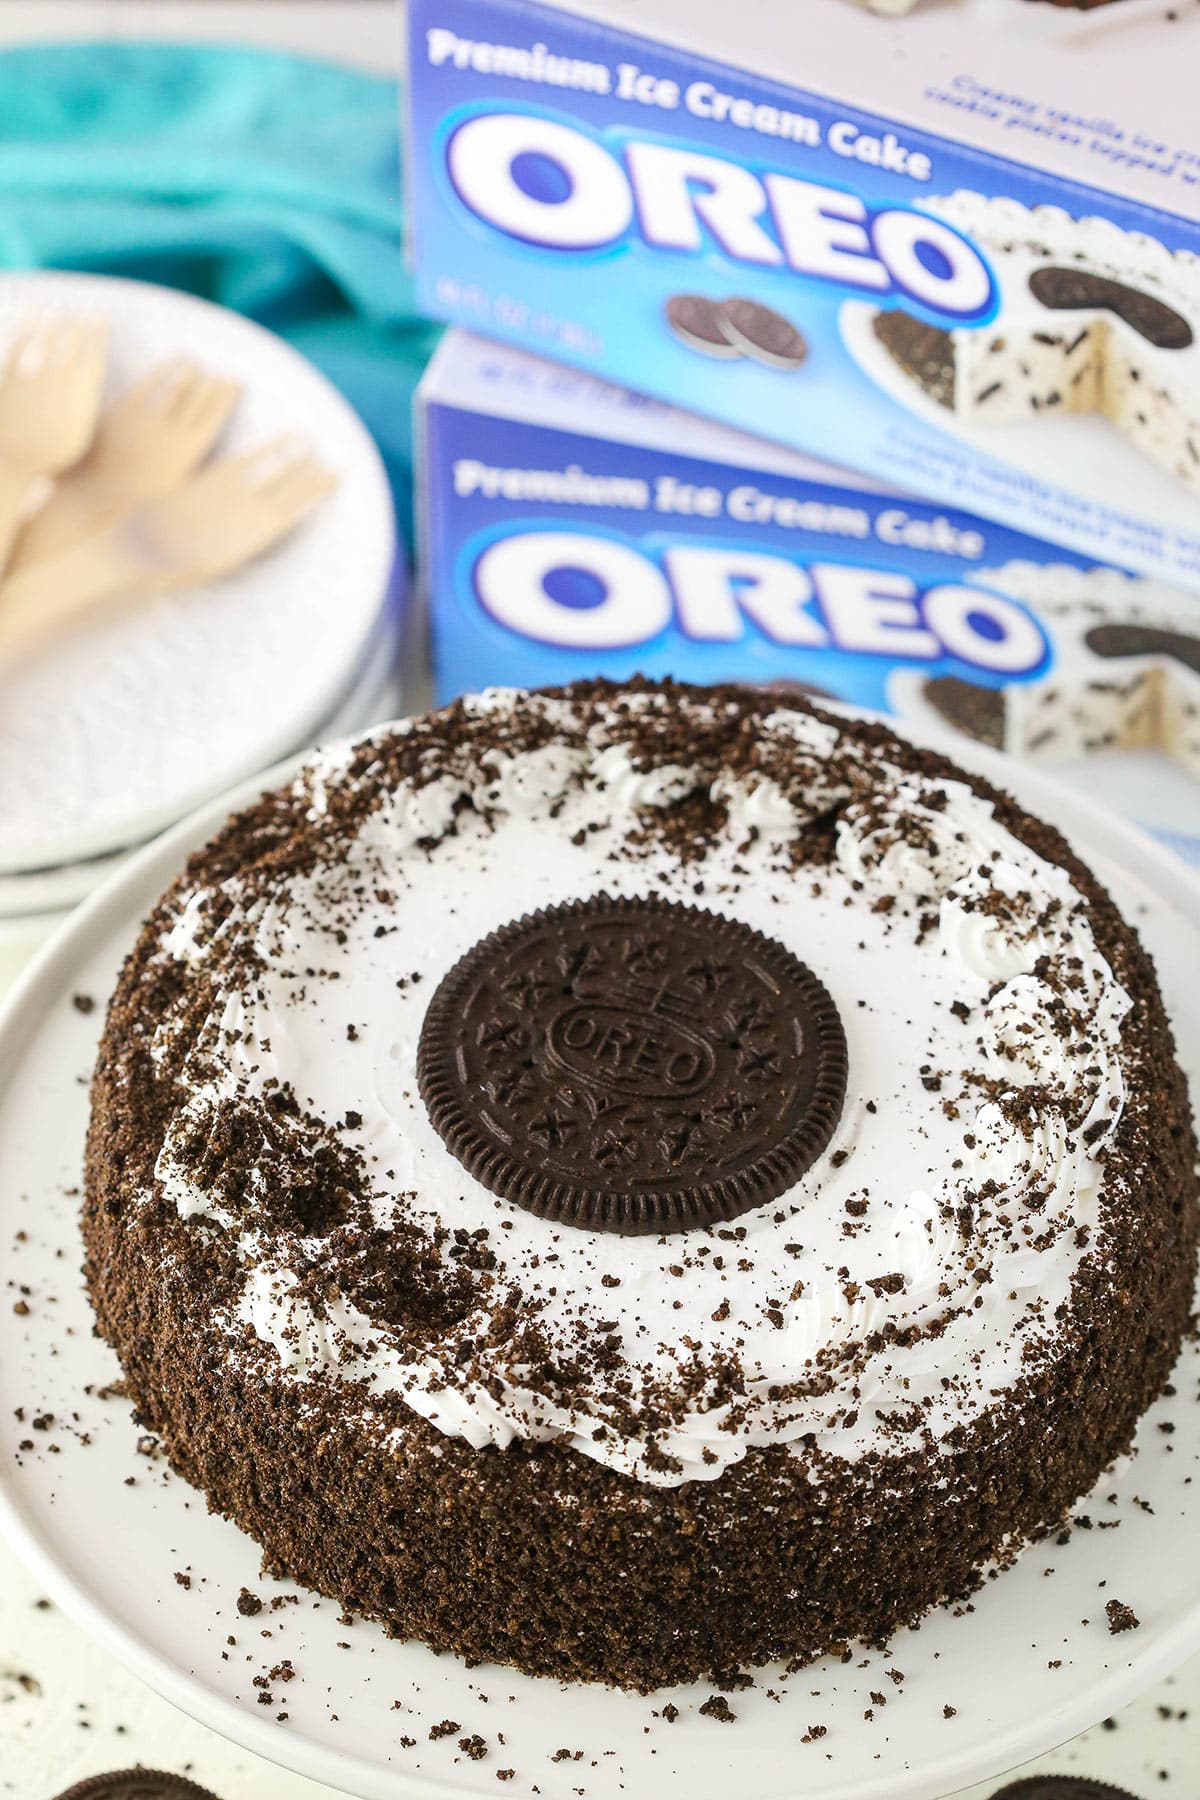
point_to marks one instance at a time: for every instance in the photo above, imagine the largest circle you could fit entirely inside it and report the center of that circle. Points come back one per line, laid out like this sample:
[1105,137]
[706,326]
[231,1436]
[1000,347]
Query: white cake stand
[130,1552]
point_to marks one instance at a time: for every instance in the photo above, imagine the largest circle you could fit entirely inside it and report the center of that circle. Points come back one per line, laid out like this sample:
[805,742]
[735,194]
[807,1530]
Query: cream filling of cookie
[902,1285]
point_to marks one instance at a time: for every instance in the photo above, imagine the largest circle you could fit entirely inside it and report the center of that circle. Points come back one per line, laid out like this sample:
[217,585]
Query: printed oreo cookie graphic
[760,332]
[738,327]
[1073,290]
[697,322]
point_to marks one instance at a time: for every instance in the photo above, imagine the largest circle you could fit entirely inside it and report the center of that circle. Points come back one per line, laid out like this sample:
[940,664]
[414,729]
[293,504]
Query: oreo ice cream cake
[639,1182]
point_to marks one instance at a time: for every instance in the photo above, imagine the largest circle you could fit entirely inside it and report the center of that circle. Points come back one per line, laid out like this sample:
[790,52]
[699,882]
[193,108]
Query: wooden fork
[228,513]
[146,443]
[49,401]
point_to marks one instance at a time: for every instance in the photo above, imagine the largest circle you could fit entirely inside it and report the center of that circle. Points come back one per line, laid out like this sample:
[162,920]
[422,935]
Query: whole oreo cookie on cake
[635,1182]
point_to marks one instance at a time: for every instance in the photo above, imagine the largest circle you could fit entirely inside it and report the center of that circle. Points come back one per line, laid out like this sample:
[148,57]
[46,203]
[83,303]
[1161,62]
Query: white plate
[1104,468]
[375,694]
[43,895]
[1021,1669]
[129,722]
[54,890]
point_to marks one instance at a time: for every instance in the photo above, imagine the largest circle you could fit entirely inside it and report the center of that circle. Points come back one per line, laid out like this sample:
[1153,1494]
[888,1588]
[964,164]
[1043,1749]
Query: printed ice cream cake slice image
[891,9]
[1091,319]
[1125,673]
[1084,21]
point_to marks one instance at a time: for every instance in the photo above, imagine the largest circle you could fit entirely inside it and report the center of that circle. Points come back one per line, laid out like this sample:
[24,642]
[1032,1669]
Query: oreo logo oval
[644,1056]
[533,181]
[570,588]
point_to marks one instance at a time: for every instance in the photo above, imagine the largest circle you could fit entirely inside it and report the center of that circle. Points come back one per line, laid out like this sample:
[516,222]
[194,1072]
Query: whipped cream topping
[909,1278]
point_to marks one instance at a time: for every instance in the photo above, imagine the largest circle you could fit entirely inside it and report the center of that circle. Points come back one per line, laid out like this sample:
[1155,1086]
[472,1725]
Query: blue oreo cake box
[572,528]
[954,247]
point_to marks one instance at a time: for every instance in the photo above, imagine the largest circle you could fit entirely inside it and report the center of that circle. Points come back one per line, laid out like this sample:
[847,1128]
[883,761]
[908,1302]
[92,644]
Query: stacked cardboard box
[956,251]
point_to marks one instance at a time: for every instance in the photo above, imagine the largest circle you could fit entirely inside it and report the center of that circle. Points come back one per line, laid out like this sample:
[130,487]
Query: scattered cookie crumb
[718,1707]
[1121,1617]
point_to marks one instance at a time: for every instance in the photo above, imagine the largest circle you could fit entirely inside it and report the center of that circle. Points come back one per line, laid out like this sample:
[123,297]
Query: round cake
[638,1182]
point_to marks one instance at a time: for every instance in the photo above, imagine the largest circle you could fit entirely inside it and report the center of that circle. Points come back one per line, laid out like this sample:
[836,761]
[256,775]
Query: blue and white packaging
[956,248]
[570,528]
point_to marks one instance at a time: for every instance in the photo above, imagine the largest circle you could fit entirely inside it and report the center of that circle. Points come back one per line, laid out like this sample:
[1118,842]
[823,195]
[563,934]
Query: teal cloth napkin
[268,183]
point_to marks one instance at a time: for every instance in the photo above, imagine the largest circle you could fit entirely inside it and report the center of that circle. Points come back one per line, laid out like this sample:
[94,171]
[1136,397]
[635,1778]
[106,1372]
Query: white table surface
[66,1710]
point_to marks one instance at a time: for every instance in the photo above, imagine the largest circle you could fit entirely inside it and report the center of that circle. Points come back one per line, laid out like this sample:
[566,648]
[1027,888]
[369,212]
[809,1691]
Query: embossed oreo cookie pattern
[633,1065]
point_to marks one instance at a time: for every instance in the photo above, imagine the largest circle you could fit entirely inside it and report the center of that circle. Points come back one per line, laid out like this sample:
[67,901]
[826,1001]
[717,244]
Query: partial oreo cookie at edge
[1061,1787]
[137,1784]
